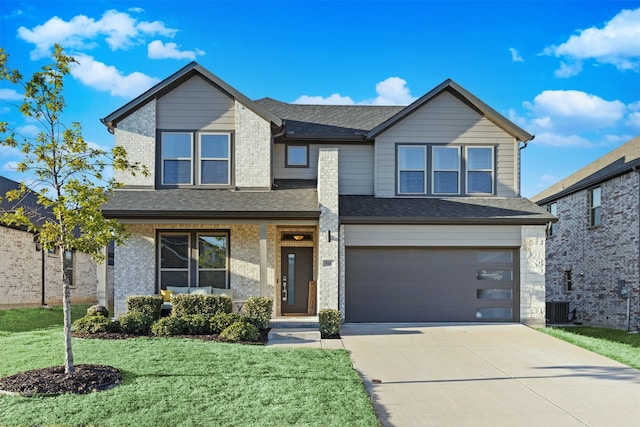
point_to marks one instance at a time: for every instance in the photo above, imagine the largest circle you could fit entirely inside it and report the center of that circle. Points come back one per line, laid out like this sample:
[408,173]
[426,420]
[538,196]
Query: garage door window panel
[494,313]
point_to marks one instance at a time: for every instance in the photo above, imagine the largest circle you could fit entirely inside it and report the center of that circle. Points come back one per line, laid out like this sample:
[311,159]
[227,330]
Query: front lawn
[179,381]
[28,319]
[612,343]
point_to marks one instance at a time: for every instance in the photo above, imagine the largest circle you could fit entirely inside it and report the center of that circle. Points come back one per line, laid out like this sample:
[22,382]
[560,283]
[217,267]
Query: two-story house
[387,213]
[593,251]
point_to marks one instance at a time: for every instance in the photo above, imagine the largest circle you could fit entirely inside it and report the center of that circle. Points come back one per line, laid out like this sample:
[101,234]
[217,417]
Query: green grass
[28,319]
[612,343]
[184,382]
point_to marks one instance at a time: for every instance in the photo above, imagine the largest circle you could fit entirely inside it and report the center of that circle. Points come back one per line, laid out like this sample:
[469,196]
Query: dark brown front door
[297,272]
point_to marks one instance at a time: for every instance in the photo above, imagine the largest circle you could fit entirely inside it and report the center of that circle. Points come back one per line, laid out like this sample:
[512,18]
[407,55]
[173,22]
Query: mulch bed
[264,336]
[53,381]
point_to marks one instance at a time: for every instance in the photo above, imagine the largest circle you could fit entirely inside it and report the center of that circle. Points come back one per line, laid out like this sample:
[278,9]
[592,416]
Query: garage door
[430,285]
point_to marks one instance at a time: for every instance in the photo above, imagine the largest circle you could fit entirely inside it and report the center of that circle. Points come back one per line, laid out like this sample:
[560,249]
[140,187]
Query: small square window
[297,156]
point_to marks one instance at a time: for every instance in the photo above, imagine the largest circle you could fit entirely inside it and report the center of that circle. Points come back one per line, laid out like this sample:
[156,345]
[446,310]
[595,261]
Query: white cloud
[104,77]
[28,131]
[136,9]
[633,120]
[10,95]
[10,166]
[561,140]
[392,91]
[159,50]
[119,29]
[616,43]
[515,55]
[568,70]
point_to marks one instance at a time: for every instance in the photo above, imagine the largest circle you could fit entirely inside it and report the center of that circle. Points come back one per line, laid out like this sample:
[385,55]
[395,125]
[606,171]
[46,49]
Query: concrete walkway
[488,375]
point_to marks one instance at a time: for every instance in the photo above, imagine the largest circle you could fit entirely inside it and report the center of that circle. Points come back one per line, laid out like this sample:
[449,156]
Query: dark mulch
[330,337]
[264,336]
[53,380]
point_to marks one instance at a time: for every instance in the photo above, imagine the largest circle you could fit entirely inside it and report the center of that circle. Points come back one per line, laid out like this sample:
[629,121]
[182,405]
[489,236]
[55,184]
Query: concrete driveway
[488,375]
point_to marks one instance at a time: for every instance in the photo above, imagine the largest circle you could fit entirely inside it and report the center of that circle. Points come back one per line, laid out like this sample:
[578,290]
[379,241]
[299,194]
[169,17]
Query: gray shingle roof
[329,121]
[619,161]
[296,199]
[460,210]
[29,202]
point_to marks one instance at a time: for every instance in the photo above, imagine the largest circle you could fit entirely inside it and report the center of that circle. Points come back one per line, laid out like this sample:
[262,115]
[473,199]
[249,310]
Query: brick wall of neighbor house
[598,256]
[328,267]
[137,134]
[532,276]
[21,273]
[252,149]
[135,267]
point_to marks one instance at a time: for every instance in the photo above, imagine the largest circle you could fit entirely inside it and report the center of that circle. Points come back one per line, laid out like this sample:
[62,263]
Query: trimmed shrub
[209,305]
[94,324]
[150,305]
[98,310]
[197,324]
[135,323]
[330,321]
[169,326]
[241,331]
[222,321]
[258,311]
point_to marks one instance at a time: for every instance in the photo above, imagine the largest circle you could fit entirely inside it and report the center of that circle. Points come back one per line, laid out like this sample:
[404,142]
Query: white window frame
[196,255]
[434,170]
[423,170]
[593,207]
[201,158]
[160,268]
[163,158]
[552,227]
[468,169]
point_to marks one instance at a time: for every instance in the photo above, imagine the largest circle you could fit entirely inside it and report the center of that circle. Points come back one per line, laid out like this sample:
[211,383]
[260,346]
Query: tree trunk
[66,309]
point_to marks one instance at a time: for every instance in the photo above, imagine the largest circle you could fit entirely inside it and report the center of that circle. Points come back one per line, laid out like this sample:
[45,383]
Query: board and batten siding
[196,105]
[355,166]
[446,120]
[459,236]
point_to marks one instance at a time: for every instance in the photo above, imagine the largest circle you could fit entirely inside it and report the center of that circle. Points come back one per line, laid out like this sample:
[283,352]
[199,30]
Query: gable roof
[176,79]
[466,97]
[306,121]
[29,202]
[619,161]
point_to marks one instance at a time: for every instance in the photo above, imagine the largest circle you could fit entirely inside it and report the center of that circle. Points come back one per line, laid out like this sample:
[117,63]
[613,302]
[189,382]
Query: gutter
[273,143]
[520,163]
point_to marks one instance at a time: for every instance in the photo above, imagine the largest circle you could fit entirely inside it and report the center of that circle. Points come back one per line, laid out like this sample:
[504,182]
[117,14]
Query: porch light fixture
[298,237]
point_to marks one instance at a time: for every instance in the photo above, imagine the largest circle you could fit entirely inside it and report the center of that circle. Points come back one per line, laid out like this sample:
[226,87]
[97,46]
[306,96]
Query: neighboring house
[593,251]
[389,214]
[31,276]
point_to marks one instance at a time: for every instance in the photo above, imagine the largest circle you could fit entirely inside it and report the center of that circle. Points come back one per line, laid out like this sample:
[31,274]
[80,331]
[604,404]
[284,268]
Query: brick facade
[137,135]
[328,239]
[532,276]
[598,257]
[252,149]
[21,273]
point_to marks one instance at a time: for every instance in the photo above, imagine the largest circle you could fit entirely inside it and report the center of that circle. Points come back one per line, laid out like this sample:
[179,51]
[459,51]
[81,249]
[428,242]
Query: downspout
[273,144]
[520,163]
[44,304]
[637,170]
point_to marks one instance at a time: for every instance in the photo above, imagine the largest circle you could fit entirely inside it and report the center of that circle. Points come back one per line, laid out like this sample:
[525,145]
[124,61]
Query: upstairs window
[412,169]
[297,156]
[480,170]
[552,227]
[185,163]
[595,199]
[446,170]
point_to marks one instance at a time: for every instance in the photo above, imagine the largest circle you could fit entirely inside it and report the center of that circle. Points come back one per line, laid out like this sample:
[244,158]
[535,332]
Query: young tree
[69,173]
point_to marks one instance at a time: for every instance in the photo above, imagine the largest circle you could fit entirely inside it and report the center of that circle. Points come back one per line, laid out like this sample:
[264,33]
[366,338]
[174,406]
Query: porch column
[264,286]
[328,268]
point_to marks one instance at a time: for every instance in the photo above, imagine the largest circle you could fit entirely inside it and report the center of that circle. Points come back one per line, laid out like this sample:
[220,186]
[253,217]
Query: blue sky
[566,71]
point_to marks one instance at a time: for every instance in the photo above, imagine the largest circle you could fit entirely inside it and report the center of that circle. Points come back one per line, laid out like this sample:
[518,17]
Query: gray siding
[446,120]
[355,167]
[196,105]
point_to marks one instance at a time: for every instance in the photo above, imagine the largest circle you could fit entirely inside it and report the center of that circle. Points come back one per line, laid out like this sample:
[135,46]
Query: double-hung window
[446,170]
[552,227]
[595,200]
[479,170]
[412,169]
[207,162]
[193,259]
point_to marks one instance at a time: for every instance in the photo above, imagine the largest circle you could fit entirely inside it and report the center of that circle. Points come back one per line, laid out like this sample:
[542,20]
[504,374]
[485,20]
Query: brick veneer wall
[532,275]
[252,149]
[598,256]
[21,273]
[136,133]
[328,260]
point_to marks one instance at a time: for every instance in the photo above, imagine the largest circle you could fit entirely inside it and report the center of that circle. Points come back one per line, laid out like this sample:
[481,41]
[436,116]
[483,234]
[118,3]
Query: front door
[297,272]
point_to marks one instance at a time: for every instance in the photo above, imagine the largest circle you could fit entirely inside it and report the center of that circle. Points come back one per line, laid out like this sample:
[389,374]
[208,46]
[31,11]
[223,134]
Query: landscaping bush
[169,326]
[241,331]
[135,323]
[197,324]
[258,311]
[222,321]
[94,324]
[98,310]
[209,305]
[330,321]
[148,304]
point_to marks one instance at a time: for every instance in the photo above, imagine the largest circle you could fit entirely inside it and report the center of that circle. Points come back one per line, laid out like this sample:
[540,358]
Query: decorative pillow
[178,289]
[166,295]
[205,290]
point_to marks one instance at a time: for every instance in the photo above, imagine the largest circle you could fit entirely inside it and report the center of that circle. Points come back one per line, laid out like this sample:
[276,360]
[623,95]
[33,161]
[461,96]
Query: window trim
[567,280]
[552,227]
[425,170]
[434,170]
[201,158]
[193,269]
[468,169]
[593,208]
[70,269]
[163,158]
[287,164]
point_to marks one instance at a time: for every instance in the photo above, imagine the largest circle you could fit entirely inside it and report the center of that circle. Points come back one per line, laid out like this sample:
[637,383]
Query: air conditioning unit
[557,312]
